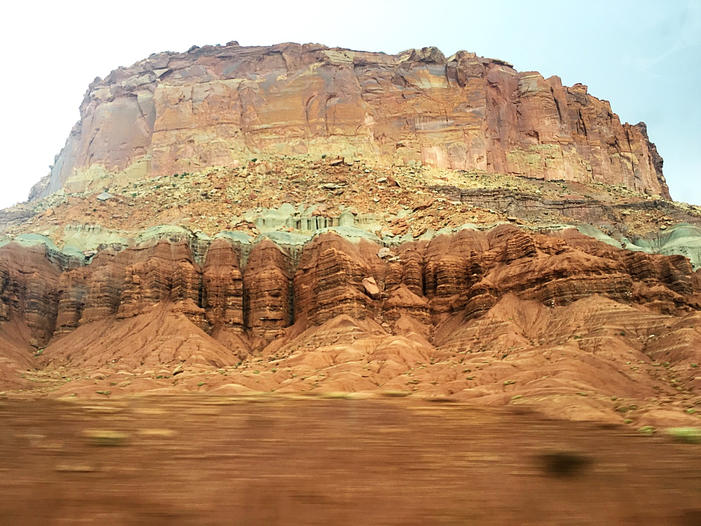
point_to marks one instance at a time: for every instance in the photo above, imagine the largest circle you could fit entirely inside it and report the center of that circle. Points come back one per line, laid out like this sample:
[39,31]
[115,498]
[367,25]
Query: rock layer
[220,105]
[578,327]
[262,293]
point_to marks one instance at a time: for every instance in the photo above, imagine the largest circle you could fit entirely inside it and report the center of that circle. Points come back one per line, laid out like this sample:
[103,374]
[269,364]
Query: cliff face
[220,105]
[334,315]
[300,219]
[260,294]
[568,322]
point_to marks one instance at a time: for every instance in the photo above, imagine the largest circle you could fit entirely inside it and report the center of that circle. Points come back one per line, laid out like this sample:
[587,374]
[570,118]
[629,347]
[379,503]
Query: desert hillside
[304,219]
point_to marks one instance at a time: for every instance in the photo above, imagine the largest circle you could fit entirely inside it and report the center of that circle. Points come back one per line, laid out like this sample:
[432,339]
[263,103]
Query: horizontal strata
[220,105]
[291,229]
[259,290]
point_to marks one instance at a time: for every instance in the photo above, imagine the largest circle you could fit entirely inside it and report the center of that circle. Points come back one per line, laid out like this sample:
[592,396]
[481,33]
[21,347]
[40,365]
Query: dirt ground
[200,459]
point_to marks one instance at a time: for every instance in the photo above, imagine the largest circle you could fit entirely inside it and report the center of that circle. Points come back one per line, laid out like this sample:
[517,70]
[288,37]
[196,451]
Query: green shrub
[689,435]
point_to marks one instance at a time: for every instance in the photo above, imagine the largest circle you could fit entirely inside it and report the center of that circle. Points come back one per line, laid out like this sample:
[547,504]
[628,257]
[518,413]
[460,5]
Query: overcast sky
[644,56]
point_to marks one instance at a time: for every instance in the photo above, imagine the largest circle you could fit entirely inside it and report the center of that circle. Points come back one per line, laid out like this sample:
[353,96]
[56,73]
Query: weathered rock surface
[303,219]
[268,291]
[220,105]
[561,320]
[14,357]
[264,290]
[29,290]
[223,283]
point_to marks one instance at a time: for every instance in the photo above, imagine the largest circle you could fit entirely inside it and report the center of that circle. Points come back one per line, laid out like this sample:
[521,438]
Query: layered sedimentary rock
[329,281]
[221,105]
[562,320]
[299,218]
[166,273]
[268,291]
[260,292]
[29,290]
[223,283]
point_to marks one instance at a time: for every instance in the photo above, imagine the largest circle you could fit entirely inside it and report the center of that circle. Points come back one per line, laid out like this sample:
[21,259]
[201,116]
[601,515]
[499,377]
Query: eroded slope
[573,325]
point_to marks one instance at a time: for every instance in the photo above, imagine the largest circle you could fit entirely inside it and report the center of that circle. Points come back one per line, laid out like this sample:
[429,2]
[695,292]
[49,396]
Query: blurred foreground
[304,460]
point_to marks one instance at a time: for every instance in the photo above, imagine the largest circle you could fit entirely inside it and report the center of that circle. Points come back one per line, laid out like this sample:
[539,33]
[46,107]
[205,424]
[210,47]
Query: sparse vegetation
[689,435]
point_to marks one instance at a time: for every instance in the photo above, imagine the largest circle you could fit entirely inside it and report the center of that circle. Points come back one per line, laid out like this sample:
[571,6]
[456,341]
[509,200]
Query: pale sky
[644,56]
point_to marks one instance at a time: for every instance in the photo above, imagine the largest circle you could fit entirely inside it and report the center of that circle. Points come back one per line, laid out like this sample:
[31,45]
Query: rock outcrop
[29,290]
[268,300]
[567,322]
[297,218]
[222,105]
[259,292]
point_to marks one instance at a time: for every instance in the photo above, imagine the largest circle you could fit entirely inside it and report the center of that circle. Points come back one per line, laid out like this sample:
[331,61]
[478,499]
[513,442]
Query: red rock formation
[482,316]
[223,285]
[403,302]
[329,281]
[464,273]
[74,289]
[216,105]
[163,273]
[155,304]
[268,291]
[107,276]
[28,290]
[158,338]
[15,355]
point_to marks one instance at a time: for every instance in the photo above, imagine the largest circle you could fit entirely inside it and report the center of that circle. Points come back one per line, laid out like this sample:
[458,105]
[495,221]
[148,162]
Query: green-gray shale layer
[292,229]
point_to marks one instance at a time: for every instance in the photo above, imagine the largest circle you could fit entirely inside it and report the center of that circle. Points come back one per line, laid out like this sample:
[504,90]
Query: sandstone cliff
[258,292]
[222,105]
[303,219]
[493,316]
